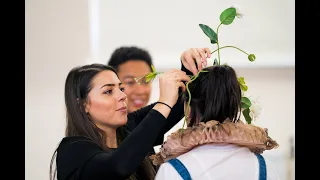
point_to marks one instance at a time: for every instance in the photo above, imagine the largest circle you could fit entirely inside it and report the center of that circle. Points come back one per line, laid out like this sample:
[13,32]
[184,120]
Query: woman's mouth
[122,109]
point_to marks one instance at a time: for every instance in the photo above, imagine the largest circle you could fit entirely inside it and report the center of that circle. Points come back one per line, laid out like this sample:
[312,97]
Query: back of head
[215,95]
[77,87]
[129,53]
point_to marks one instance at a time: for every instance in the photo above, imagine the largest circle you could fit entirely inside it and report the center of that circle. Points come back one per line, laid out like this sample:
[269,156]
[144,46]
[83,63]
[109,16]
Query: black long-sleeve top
[79,158]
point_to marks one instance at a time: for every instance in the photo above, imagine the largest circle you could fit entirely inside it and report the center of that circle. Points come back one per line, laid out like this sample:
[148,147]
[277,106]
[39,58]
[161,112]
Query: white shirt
[217,162]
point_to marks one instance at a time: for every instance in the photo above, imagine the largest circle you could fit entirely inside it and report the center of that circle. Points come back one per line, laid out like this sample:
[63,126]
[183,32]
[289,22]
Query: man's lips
[138,102]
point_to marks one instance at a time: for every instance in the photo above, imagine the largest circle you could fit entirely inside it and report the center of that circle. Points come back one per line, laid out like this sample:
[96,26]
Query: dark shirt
[79,158]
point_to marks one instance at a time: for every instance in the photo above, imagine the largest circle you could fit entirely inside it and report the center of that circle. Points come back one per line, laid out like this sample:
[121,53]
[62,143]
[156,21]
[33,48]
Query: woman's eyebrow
[109,85]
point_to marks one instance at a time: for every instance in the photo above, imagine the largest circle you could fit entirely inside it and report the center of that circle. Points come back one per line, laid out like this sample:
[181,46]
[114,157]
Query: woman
[103,141]
[216,144]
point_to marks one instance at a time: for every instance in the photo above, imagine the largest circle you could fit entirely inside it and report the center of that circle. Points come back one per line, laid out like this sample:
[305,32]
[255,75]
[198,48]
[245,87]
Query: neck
[111,138]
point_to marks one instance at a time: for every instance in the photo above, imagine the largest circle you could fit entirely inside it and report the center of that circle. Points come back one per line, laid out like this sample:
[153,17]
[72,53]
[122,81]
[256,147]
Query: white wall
[57,39]
[167,27]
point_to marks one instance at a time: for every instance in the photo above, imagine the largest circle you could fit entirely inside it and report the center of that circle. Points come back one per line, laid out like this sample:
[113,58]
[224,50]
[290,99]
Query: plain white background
[61,34]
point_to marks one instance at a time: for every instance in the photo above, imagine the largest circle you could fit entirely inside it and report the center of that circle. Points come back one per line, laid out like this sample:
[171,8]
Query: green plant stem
[189,100]
[230,47]
[218,44]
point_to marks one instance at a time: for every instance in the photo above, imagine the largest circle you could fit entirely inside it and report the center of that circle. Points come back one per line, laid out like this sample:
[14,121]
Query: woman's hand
[193,56]
[169,83]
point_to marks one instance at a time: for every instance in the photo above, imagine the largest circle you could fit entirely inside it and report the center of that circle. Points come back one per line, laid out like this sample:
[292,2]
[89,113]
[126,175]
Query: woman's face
[106,104]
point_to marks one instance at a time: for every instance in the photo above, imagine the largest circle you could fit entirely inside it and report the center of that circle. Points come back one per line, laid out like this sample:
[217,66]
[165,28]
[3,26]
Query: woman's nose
[123,96]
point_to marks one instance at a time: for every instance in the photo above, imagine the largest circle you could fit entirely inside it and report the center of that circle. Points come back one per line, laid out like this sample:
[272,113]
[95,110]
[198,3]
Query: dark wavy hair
[215,95]
[129,53]
[77,87]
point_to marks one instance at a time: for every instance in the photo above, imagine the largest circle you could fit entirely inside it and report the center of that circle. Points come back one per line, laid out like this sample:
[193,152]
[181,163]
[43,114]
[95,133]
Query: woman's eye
[122,89]
[107,92]
[130,83]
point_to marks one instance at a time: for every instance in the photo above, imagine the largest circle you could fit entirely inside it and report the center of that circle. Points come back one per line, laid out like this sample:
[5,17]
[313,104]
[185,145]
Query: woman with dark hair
[216,144]
[102,140]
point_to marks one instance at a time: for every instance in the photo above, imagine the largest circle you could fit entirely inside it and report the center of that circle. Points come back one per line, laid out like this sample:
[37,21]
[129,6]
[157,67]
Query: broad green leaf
[228,15]
[246,115]
[242,83]
[210,33]
[245,103]
[215,62]
[243,87]
[150,76]
[241,80]
[153,69]
[148,79]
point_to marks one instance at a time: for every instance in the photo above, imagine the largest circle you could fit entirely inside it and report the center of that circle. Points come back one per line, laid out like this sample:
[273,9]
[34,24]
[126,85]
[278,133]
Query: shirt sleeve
[167,171]
[135,118]
[85,160]
[174,117]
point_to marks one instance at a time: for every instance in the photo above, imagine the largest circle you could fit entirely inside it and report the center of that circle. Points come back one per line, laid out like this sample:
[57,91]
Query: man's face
[138,95]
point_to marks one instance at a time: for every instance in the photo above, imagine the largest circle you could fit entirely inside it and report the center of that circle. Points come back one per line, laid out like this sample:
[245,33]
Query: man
[131,62]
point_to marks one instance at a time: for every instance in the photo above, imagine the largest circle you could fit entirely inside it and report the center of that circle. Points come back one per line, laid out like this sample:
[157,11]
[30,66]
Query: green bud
[252,57]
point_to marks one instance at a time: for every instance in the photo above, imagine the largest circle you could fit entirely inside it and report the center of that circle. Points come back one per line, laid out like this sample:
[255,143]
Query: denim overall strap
[181,169]
[262,167]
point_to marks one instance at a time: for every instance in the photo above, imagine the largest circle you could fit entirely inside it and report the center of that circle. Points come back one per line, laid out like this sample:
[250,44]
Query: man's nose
[140,89]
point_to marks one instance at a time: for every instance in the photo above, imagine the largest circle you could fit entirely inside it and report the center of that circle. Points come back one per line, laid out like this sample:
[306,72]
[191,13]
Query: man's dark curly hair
[126,53]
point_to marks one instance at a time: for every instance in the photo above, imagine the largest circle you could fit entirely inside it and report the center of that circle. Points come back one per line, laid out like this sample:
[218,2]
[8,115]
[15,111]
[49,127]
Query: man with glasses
[131,62]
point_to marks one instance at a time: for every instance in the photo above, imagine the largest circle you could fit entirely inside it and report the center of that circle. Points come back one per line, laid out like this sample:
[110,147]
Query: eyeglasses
[142,80]
[136,81]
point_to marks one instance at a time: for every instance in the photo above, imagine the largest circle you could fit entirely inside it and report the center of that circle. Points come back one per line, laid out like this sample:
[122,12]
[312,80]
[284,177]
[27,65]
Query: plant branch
[189,93]
[218,44]
[230,47]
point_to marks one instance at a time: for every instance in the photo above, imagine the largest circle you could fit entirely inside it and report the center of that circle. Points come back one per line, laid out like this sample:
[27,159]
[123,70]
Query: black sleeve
[87,161]
[135,118]
[174,117]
